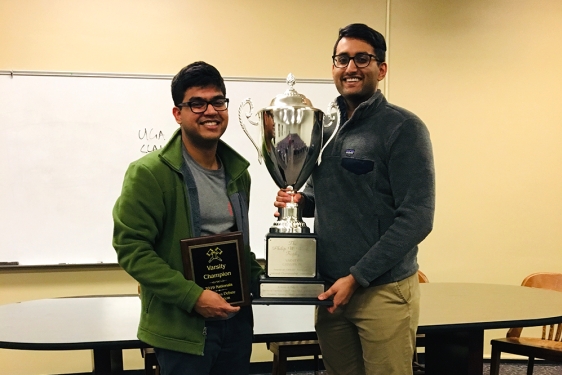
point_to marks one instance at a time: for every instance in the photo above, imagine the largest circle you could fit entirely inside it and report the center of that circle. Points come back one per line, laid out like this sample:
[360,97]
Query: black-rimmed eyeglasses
[200,106]
[361,60]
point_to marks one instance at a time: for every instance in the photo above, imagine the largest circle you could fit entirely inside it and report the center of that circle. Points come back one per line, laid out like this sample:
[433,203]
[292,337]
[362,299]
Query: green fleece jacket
[157,208]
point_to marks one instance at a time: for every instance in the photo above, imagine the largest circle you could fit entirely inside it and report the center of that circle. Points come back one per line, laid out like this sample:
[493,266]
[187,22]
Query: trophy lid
[291,98]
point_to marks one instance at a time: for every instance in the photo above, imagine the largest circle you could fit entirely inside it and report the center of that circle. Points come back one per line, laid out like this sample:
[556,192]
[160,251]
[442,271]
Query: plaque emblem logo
[214,254]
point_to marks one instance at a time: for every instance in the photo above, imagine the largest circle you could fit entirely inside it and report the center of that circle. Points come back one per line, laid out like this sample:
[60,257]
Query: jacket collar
[374,101]
[234,163]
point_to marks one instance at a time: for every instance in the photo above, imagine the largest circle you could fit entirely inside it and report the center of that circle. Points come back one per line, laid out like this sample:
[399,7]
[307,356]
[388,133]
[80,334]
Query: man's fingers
[327,294]
[232,309]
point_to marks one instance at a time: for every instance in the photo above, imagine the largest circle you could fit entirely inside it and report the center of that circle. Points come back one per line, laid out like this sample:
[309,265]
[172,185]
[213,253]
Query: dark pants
[228,346]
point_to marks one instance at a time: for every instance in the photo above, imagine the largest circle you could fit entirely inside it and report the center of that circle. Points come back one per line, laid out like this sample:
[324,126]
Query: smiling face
[201,130]
[357,84]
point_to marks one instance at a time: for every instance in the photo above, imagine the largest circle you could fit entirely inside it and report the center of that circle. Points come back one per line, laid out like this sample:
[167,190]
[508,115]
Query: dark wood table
[453,318]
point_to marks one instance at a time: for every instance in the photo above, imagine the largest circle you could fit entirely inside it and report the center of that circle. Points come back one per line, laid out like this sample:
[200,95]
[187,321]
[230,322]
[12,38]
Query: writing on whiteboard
[152,140]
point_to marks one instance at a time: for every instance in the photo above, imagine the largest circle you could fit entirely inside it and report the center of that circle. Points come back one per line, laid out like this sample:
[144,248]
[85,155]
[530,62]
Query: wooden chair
[151,366]
[283,350]
[548,347]
[422,278]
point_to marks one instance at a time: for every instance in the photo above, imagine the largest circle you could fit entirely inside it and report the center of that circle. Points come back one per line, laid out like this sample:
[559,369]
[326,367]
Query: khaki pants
[375,334]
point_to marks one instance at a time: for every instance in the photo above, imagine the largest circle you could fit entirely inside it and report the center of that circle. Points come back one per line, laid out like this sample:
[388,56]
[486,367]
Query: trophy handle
[249,114]
[333,115]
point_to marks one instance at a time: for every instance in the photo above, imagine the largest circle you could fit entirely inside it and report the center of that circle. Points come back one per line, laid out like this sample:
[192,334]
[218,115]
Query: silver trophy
[291,141]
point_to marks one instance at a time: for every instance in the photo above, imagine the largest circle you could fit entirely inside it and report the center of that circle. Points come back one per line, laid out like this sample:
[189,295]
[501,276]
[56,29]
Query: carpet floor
[505,369]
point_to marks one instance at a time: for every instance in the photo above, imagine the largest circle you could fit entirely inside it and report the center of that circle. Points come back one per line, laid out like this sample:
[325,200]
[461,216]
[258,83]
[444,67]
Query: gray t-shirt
[215,209]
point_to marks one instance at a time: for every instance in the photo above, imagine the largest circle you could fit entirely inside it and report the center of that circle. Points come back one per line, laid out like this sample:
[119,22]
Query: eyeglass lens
[200,106]
[361,60]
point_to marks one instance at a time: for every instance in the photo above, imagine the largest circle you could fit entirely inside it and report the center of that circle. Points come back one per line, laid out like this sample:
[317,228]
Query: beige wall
[244,38]
[483,75]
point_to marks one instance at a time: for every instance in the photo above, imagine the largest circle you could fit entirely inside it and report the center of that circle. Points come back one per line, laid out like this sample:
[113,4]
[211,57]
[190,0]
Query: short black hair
[197,74]
[363,32]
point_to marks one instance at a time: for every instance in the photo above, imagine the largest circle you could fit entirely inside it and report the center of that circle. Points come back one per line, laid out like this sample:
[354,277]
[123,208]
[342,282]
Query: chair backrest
[422,278]
[544,280]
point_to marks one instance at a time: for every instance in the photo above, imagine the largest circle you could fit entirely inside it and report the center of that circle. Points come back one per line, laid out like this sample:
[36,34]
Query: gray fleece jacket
[373,194]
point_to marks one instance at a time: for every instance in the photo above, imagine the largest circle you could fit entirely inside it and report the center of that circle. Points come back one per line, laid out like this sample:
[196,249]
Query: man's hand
[342,290]
[285,196]
[212,305]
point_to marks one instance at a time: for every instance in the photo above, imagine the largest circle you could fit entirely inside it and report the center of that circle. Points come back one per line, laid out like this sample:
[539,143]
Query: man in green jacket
[194,186]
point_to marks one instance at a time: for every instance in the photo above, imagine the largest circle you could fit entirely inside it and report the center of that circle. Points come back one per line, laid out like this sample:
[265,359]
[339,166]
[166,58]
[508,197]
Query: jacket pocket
[357,166]
[149,299]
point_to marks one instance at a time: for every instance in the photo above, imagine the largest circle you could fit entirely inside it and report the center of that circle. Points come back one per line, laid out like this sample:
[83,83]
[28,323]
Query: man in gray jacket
[373,198]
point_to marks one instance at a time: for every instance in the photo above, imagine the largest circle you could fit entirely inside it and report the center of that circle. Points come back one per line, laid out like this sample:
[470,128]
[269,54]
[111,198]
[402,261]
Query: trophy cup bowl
[291,140]
[290,143]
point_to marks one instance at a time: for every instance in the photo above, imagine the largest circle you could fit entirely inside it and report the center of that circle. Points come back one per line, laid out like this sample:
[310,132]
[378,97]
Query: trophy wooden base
[291,271]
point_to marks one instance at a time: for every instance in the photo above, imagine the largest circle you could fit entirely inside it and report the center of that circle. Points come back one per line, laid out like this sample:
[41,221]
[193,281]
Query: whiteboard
[67,139]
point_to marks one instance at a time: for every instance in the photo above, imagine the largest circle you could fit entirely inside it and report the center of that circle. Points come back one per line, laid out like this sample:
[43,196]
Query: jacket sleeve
[140,215]
[256,270]
[412,179]
[308,204]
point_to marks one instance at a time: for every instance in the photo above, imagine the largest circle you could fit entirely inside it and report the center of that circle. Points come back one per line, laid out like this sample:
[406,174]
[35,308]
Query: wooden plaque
[218,263]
